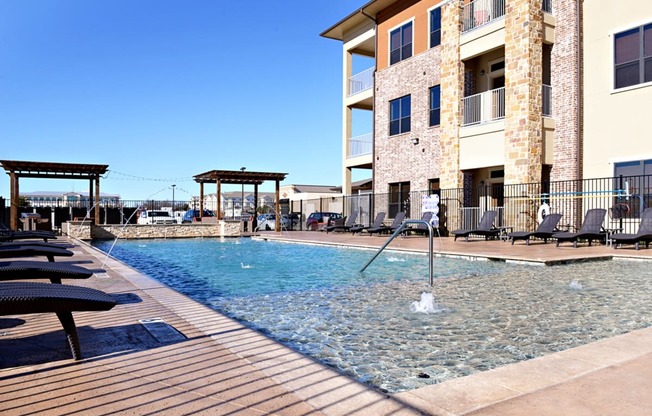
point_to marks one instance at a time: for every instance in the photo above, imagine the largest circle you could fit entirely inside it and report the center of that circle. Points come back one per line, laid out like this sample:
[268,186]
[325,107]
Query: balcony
[481,12]
[361,81]
[484,107]
[360,145]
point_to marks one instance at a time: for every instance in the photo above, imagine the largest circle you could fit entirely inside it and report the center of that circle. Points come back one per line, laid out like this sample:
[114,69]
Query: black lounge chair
[7,234]
[28,270]
[420,228]
[545,230]
[345,226]
[644,233]
[398,219]
[378,222]
[18,298]
[11,251]
[591,228]
[485,227]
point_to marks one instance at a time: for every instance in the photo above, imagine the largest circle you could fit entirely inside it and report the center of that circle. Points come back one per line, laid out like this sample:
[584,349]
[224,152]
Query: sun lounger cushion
[32,297]
[33,251]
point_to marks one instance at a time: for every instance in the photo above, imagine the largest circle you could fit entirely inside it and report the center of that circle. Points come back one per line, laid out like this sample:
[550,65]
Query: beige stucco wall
[616,121]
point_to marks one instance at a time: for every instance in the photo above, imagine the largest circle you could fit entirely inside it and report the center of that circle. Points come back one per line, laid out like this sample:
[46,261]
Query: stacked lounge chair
[545,230]
[378,222]
[644,234]
[7,234]
[485,227]
[398,220]
[345,226]
[591,228]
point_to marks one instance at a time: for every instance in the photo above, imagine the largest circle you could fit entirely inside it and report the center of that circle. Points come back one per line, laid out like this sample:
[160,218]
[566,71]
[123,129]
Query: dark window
[400,41]
[399,198]
[633,57]
[399,115]
[435,104]
[634,178]
[435,27]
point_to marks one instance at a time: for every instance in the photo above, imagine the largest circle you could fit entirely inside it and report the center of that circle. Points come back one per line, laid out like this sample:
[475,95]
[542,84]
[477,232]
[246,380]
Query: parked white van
[155,217]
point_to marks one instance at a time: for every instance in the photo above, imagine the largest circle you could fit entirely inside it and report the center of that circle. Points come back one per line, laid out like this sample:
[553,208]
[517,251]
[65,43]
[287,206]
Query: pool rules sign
[430,203]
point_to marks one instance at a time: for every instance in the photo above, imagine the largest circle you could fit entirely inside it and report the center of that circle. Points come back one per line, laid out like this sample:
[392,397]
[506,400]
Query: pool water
[388,327]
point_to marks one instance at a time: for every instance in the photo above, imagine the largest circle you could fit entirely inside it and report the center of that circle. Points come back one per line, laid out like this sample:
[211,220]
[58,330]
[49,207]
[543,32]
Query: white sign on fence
[430,203]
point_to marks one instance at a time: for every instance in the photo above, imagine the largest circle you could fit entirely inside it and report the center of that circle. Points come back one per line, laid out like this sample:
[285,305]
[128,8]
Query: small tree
[23,202]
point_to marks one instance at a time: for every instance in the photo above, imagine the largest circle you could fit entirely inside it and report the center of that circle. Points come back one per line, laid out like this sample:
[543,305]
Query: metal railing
[360,145]
[361,81]
[546,104]
[481,12]
[484,107]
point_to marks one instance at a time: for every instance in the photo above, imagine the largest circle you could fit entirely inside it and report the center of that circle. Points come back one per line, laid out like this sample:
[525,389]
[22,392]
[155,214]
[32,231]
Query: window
[635,178]
[435,27]
[399,115]
[435,104]
[633,56]
[400,43]
[399,198]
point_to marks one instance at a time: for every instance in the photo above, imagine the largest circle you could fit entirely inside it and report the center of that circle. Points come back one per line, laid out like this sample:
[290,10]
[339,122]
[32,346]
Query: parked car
[268,222]
[192,215]
[316,219]
[155,217]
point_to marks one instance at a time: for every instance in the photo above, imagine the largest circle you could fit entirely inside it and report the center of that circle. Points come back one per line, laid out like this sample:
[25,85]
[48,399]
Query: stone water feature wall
[103,232]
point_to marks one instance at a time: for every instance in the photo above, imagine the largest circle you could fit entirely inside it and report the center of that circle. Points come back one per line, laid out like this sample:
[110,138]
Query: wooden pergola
[238,177]
[49,170]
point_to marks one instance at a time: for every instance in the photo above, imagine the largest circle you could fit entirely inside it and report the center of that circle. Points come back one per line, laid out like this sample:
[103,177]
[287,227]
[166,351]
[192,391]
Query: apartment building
[496,92]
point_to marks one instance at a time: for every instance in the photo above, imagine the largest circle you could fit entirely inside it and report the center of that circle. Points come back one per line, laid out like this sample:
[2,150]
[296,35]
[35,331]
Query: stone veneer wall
[452,86]
[523,84]
[397,158]
[565,90]
[87,232]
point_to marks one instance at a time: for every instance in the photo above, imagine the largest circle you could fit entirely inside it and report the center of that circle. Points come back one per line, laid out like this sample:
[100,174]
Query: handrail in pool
[398,231]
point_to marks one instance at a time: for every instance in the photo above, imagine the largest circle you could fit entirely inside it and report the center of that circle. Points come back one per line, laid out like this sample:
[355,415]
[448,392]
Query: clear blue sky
[165,90]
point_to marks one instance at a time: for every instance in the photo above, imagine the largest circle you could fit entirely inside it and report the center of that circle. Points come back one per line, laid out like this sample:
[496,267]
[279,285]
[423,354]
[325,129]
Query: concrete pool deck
[221,367]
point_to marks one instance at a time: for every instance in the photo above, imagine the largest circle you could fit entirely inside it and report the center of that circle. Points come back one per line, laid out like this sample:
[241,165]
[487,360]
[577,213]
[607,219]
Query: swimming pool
[483,314]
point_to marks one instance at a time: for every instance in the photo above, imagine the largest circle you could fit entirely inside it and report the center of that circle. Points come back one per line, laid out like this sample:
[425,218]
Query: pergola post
[91,197]
[97,200]
[201,200]
[255,222]
[219,200]
[278,207]
[14,197]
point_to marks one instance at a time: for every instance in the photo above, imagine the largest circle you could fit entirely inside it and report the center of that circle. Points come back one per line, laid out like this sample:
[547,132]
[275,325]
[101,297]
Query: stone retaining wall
[83,231]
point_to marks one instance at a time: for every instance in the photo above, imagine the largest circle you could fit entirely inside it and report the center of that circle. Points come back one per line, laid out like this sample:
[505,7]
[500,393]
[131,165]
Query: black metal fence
[519,206]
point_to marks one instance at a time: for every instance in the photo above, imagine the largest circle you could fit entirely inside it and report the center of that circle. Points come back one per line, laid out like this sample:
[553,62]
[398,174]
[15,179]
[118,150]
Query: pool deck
[220,367]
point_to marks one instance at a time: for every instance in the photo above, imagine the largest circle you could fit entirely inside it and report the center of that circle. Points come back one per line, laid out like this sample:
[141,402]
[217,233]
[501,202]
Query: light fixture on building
[482,72]
[415,140]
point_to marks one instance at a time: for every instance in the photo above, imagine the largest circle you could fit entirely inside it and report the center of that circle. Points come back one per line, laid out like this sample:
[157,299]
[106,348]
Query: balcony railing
[360,145]
[546,105]
[484,107]
[481,12]
[361,81]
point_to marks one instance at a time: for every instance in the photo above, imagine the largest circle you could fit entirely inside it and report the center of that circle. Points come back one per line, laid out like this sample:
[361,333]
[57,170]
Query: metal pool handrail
[398,231]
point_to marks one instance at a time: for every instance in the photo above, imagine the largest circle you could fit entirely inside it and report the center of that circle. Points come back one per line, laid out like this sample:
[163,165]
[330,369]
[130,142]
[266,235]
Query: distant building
[66,199]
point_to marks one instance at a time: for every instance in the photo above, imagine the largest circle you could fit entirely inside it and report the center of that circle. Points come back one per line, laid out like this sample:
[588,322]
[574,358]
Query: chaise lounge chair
[27,270]
[346,226]
[644,233]
[7,234]
[545,230]
[378,222]
[420,228]
[485,227]
[32,297]
[590,230]
[398,219]
[11,251]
